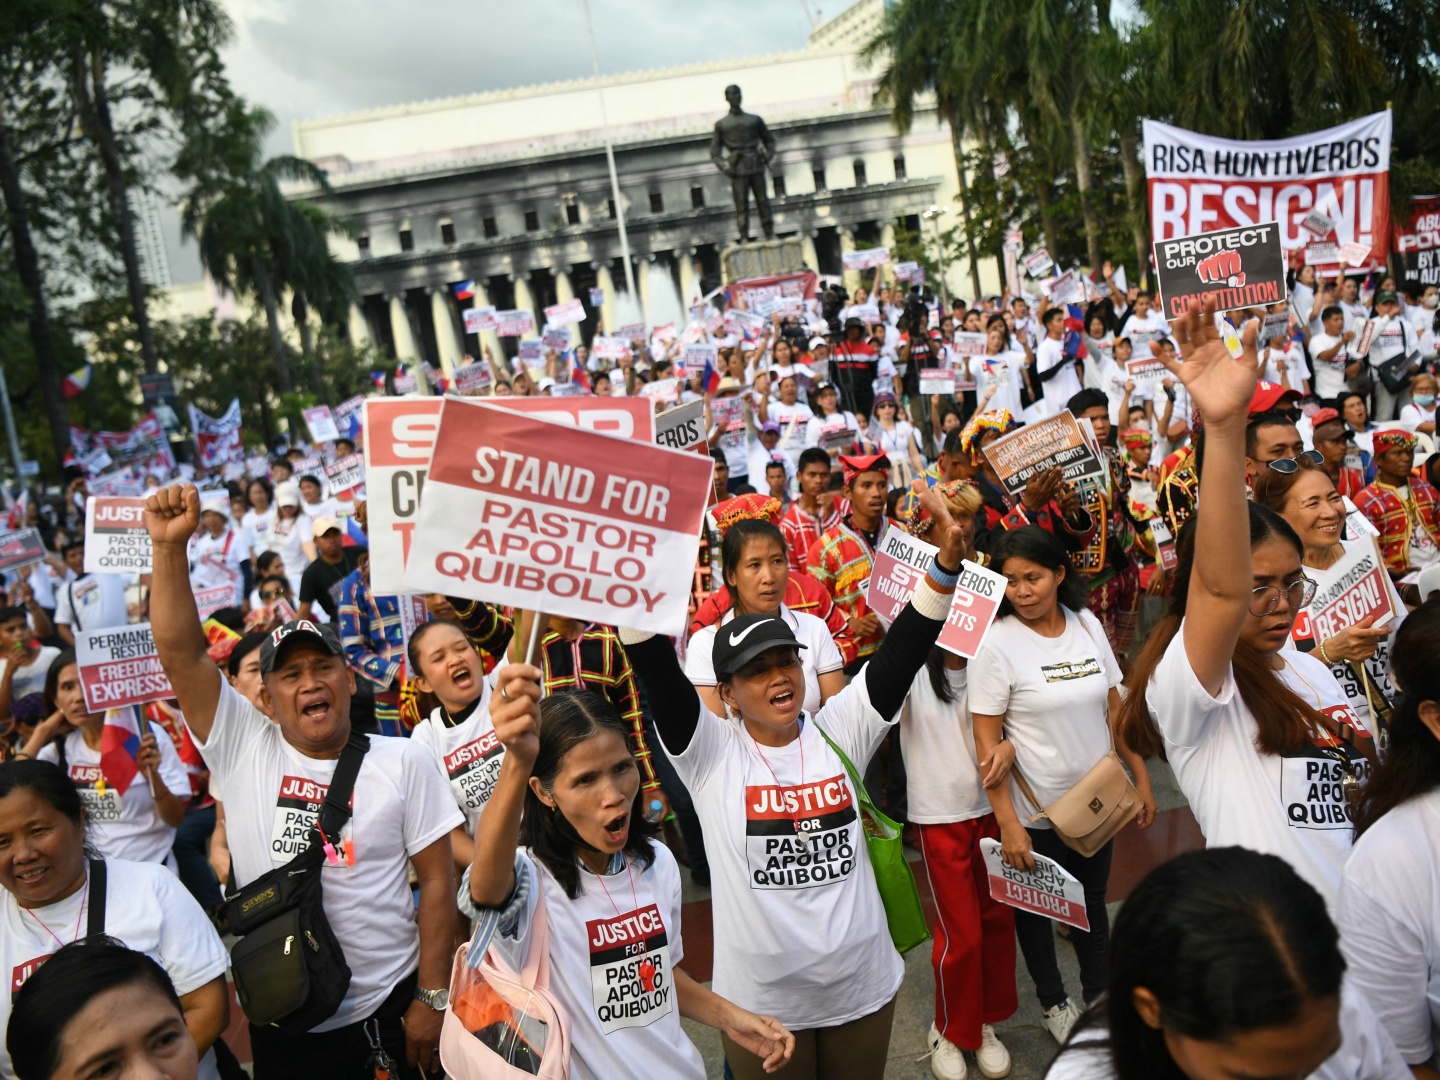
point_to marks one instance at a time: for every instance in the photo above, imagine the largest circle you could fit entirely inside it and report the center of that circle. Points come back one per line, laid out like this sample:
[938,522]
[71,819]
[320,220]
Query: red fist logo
[1224,266]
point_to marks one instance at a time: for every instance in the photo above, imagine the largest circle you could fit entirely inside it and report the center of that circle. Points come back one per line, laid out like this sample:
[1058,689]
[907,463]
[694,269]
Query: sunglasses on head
[1289,465]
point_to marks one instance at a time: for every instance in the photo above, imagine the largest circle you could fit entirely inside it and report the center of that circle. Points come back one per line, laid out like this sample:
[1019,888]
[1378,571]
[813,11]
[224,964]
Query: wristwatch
[436,999]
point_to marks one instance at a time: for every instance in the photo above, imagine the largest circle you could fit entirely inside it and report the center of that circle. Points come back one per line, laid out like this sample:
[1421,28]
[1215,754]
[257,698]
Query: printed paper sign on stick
[937,381]
[681,428]
[1353,589]
[1149,372]
[865,260]
[471,379]
[514,323]
[899,566]
[977,598]
[1241,267]
[321,423]
[969,343]
[1049,890]
[1326,254]
[116,540]
[1053,441]
[567,314]
[512,516]
[1039,264]
[20,548]
[119,666]
[1317,223]
[1164,544]
[1354,255]
[478,319]
[346,473]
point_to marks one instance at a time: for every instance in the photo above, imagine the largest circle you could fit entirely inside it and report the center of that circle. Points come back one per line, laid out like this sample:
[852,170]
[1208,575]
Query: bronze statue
[741,147]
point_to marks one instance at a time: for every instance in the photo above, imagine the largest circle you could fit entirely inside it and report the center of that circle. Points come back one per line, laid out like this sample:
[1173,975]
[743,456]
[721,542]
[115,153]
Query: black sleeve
[1050,373]
[674,704]
[893,668]
[310,587]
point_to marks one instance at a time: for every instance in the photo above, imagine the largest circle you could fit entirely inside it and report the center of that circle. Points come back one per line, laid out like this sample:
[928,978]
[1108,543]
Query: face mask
[1425,400]
[1431,301]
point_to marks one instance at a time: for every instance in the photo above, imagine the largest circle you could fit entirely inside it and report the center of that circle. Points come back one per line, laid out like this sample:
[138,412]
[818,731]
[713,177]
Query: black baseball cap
[292,631]
[747,636]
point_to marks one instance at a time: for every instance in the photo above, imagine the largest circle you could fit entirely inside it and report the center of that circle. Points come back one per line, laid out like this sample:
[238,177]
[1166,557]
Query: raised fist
[1223,266]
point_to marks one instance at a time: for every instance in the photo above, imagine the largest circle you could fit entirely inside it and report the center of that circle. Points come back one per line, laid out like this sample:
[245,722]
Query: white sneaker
[992,1057]
[1059,1019]
[947,1061]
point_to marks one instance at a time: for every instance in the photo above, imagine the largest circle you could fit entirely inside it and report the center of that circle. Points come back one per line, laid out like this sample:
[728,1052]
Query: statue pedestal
[762,258]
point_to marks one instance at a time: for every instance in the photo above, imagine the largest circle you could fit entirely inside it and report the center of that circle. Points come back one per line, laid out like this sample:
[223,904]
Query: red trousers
[974,948]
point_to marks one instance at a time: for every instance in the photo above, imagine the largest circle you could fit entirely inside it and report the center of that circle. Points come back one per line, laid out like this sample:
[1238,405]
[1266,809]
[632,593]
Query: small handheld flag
[119,743]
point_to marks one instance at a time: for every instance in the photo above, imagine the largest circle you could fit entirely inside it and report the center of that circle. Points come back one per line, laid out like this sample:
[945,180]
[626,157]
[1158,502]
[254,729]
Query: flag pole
[10,434]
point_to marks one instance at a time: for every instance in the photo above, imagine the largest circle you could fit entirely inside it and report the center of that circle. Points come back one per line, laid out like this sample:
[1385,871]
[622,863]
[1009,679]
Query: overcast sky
[322,57]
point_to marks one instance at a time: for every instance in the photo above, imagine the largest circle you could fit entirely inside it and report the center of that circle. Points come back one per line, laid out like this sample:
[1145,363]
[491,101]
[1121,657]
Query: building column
[847,243]
[359,328]
[524,298]
[405,351]
[488,338]
[606,283]
[689,279]
[564,290]
[447,335]
[642,285]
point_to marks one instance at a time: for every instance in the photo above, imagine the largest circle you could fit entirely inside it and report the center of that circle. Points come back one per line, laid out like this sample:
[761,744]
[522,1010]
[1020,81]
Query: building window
[447,233]
[778,182]
[490,229]
[532,221]
[407,240]
[819,175]
[610,208]
[859,174]
[572,213]
[899,166]
[363,243]
[657,203]
[697,198]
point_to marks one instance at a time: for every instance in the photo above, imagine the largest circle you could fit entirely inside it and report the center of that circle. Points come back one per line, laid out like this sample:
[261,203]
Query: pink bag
[500,1025]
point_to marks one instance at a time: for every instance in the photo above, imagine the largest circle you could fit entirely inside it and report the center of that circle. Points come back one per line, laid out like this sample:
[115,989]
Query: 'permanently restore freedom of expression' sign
[118,666]
[511,516]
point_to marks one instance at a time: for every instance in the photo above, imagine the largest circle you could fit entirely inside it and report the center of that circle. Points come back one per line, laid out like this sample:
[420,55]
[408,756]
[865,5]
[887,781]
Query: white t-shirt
[326,507]
[800,932]
[146,908]
[1389,921]
[1143,331]
[93,602]
[124,826]
[30,679]
[1366,1050]
[942,778]
[841,424]
[1412,415]
[794,421]
[1329,374]
[1291,806]
[1004,371]
[619,1025]
[401,806]
[1053,693]
[468,753]
[1050,353]
[260,526]
[819,657]
[1278,357]
[215,560]
[897,443]
[289,537]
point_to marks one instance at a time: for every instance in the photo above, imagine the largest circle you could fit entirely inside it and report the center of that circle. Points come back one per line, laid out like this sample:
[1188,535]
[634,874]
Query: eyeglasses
[1298,594]
[273,594]
[1288,465]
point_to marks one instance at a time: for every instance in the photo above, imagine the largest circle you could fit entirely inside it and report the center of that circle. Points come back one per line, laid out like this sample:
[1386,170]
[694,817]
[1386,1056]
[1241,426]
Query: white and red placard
[969,343]
[471,379]
[1049,890]
[209,601]
[635,332]
[864,260]
[479,319]
[1147,371]
[321,422]
[307,466]
[405,383]
[898,568]
[1318,224]
[1325,253]
[530,353]
[514,322]
[116,540]
[1164,544]
[586,526]
[566,314]
[1039,264]
[20,548]
[345,414]
[556,338]
[665,390]
[610,348]
[1065,289]
[217,439]
[1354,255]
[346,473]
[937,381]
[119,666]
[400,436]
[1354,588]
[695,357]
[977,598]
[1198,183]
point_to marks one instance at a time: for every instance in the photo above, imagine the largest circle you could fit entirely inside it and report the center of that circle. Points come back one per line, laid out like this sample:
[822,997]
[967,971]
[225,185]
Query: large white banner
[1198,183]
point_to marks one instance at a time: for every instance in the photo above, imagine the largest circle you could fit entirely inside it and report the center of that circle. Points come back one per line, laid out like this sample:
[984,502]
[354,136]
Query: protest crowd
[413,732]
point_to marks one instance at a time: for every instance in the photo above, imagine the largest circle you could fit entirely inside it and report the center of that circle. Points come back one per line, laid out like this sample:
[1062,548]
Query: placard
[1039,264]
[530,352]
[514,323]
[566,314]
[1276,327]
[969,343]
[1149,372]
[977,598]
[479,319]
[631,332]
[116,540]
[511,516]
[597,297]
[695,357]
[405,383]
[119,666]
[1164,544]
[1318,224]
[1049,890]
[1326,254]
[1065,289]
[347,417]
[610,348]
[346,473]
[1354,255]
[681,428]
[905,270]
[307,466]
[1354,588]
[209,601]
[661,390]
[20,548]
[838,436]
[937,381]
[1054,441]
[321,423]
[471,379]
[897,569]
[1241,267]
[556,338]
[865,260]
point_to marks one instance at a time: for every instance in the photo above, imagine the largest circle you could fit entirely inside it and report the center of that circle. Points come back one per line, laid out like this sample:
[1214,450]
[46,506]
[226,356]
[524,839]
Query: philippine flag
[578,375]
[76,382]
[709,378]
[378,378]
[464,290]
[1073,341]
[119,743]
[354,534]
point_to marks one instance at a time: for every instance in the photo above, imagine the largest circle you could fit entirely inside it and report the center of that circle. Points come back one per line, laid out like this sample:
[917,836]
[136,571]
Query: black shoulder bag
[289,969]
[95,899]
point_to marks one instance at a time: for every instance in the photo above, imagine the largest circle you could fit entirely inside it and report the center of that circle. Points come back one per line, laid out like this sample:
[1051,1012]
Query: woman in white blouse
[292,535]
[895,438]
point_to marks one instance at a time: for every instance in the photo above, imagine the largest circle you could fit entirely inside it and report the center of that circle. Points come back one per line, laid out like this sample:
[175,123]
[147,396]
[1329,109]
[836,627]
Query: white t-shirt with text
[467,753]
[819,657]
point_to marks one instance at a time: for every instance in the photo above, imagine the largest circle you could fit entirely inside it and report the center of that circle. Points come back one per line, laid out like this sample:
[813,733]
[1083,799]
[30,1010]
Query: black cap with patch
[295,630]
[745,637]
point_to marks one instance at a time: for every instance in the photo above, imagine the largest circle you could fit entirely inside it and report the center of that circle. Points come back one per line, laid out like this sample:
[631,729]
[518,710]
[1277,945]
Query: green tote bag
[898,893]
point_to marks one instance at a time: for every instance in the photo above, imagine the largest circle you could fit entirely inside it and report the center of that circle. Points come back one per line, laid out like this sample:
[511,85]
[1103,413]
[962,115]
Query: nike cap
[745,637]
[296,630]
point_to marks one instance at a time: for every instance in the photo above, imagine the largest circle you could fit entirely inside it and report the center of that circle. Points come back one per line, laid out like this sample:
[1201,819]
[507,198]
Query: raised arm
[1220,583]
[515,713]
[171,516]
[674,704]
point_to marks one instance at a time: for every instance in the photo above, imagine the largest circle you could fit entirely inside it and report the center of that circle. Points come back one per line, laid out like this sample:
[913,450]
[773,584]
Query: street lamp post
[932,215]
